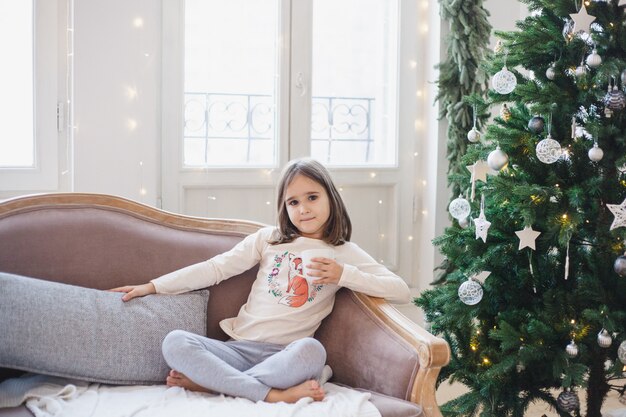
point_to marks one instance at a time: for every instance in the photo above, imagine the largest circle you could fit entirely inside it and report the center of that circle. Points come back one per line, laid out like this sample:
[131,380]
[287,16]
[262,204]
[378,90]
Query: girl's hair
[338,228]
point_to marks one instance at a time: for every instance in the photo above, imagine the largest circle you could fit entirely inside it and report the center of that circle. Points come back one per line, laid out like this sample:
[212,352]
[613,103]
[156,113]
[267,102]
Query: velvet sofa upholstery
[101,241]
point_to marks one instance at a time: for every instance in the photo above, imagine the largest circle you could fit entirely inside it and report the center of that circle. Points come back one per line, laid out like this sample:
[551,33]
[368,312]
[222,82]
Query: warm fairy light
[424,28]
[473,346]
[564,217]
[486,361]
[572,321]
[410,238]
[478,331]
[611,24]
[138,22]
[131,124]
[424,183]
[415,153]
[413,64]
[587,3]
[372,175]
[382,235]
[267,203]
[556,185]
[424,212]
[143,191]
[212,197]
[419,93]
[131,92]
[380,201]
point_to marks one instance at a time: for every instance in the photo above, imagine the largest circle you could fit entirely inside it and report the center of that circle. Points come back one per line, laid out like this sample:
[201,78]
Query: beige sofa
[101,241]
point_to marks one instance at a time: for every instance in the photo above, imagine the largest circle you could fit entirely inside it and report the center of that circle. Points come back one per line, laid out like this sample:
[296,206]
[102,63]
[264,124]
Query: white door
[251,84]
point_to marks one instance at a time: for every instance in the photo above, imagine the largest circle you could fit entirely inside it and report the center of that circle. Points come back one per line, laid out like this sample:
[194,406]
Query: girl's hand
[325,270]
[133,291]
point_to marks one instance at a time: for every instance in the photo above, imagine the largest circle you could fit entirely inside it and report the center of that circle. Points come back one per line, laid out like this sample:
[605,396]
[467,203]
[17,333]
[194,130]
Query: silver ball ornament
[473,135]
[551,72]
[615,99]
[568,401]
[548,150]
[604,339]
[459,208]
[621,352]
[536,124]
[580,70]
[464,223]
[470,292]
[594,60]
[619,266]
[497,159]
[596,153]
[572,349]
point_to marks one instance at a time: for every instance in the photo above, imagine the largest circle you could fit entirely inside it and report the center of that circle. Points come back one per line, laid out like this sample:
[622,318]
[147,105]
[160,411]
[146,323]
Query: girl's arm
[357,270]
[242,257]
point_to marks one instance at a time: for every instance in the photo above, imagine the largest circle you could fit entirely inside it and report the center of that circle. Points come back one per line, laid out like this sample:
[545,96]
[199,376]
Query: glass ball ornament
[548,150]
[504,81]
[551,72]
[621,352]
[464,223]
[593,59]
[459,208]
[473,135]
[536,124]
[615,99]
[497,159]
[596,153]
[604,339]
[580,70]
[619,266]
[572,349]
[568,401]
[471,292]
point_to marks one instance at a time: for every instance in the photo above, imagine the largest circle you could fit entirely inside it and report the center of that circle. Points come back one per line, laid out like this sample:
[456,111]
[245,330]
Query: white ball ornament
[473,135]
[621,352]
[596,153]
[459,208]
[571,349]
[504,81]
[594,60]
[497,159]
[464,223]
[580,70]
[604,339]
[548,150]
[470,292]
[551,72]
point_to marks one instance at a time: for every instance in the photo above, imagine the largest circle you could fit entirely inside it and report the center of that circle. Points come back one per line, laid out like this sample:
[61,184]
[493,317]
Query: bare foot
[176,379]
[309,388]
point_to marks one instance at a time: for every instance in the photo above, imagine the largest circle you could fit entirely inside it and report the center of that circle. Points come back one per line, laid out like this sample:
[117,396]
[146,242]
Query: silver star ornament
[527,237]
[482,226]
[619,211]
[582,20]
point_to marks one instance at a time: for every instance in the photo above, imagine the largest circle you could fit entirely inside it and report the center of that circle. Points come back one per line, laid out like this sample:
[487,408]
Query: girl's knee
[173,342]
[314,350]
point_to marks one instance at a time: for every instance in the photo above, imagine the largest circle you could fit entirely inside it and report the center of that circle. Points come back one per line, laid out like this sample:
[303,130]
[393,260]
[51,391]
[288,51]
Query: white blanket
[50,397]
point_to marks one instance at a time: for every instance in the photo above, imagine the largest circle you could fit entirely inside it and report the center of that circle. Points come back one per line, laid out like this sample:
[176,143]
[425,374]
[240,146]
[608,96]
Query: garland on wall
[460,76]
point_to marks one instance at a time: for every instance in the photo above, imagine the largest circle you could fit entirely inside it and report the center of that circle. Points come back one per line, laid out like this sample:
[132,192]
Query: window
[233,64]
[28,149]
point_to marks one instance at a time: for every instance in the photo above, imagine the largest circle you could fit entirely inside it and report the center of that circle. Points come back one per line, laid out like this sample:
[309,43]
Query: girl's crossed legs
[254,370]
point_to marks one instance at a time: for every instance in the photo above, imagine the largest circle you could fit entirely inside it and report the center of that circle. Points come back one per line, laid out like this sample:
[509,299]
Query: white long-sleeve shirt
[282,305]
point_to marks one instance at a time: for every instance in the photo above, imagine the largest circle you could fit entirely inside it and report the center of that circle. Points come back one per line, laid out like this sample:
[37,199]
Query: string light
[131,124]
[410,238]
[138,22]
[372,175]
[412,64]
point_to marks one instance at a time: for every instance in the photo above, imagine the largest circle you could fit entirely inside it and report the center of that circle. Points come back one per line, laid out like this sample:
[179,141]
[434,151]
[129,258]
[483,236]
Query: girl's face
[307,206]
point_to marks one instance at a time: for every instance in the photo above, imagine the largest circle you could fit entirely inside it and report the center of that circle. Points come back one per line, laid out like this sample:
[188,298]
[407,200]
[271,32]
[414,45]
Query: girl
[272,355]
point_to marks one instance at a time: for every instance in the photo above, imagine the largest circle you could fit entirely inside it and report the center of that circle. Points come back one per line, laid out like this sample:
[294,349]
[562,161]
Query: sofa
[102,241]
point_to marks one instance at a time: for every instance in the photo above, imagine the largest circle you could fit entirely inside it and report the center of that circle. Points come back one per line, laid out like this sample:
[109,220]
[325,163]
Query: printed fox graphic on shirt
[297,285]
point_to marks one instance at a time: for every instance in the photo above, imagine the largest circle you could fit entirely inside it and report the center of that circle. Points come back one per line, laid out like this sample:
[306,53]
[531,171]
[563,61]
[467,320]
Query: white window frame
[44,174]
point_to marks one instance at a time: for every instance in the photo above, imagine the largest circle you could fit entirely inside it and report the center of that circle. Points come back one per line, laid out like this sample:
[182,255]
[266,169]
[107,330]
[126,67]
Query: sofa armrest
[371,345]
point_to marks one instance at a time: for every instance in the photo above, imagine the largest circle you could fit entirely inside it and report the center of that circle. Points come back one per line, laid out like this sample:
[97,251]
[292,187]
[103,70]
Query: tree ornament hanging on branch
[568,401]
[470,292]
[619,211]
[481,222]
[619,266]
[536,124]
[527,237]
[596,153]
[604,339]
[614,100]
[505,113]
[473,135]
[548,150]
[581,70]
[504,81]
[551,72]
[459,208]
[621,352]
[623,75]
[572,349]
[593,59]
[497,159]
[582,20]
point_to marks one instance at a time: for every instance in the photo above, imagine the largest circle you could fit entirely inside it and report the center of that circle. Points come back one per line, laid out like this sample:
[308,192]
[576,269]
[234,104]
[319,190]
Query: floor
[611,408]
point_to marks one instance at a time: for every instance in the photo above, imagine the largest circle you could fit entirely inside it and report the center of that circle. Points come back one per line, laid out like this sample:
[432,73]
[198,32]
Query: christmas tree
[533,297]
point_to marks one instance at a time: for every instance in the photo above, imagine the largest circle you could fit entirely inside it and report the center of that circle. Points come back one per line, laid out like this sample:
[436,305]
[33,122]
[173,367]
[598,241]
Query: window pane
[230,82]
[16,84]
[354,81]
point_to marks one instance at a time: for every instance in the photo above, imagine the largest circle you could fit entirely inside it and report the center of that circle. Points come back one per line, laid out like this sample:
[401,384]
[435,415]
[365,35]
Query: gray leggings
[243,368]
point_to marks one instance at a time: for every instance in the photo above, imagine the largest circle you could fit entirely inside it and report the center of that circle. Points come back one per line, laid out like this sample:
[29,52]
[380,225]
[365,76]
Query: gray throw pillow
[81,333]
